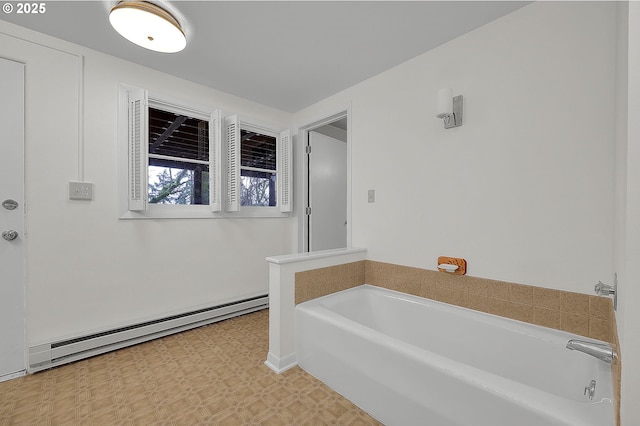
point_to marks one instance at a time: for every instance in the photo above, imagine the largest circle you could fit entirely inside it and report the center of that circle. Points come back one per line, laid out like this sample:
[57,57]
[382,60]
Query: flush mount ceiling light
[148,25]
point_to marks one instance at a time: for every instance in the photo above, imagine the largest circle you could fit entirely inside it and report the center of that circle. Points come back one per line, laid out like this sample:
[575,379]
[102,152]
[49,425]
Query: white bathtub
[412,361]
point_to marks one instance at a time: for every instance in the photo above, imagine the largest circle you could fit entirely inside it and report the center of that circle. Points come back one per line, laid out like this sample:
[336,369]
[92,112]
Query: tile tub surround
[616,367]
[586,315]
[323,281]
[582,314]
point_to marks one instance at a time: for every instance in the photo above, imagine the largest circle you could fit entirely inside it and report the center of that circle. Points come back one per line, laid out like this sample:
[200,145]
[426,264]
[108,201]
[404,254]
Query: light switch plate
[80,191]
[371,196]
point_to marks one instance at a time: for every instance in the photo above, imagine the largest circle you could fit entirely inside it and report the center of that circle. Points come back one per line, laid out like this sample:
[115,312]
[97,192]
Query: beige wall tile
[429,277]
[522,294]
[360,271]
[409,287]
[600,307]
[547,298]
[477,287]
[574,323]
[616,366]
[498,290]
[368,271]
[413,276]
[600,329]
[427,288]
[574,303]
[323,281]
[451,282]
[546,317]
[391,286]
[440,294]
[374,272]
[454,297]
[522,312]
[303,286]
[352,272]
[328,288]
[478,303]
[394,273]
[499,307]
[303,278]
[388,272]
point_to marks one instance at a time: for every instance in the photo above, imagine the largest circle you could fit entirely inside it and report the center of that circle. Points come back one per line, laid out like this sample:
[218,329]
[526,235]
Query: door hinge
[308,210]
[308,149]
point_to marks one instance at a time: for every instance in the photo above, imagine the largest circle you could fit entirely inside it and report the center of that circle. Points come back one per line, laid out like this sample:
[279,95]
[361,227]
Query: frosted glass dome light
[148,26]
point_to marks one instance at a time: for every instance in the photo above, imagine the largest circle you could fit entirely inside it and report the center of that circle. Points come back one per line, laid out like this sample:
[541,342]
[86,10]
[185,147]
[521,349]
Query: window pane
[178,183]
[258,150]
[258,188]
[177,135]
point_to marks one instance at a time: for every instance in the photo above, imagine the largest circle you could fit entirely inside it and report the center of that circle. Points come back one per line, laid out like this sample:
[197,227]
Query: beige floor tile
[213,375]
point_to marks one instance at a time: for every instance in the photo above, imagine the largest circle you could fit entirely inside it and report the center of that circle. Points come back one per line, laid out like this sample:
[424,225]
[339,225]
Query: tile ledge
[303,257]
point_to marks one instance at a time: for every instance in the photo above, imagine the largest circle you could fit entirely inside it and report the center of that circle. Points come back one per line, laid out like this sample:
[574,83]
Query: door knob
[9,234]
[10,204]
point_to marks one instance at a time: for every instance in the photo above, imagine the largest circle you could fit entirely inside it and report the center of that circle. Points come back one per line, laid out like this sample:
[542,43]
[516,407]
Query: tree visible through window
[258,169]
[178,158]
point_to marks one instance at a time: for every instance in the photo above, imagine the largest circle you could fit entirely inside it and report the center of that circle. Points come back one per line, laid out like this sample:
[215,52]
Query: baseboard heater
[53,354]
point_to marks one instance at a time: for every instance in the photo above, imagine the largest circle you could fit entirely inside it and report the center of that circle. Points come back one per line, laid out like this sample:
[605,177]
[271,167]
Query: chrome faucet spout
[602,351]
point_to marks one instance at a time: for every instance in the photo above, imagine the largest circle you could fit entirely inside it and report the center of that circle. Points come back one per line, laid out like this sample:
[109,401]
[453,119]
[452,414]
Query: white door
[327,192]
[12,297]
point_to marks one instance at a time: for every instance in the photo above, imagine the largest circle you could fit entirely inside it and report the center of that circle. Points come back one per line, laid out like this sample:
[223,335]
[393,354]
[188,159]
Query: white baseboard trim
[280,365]
[13,375]
[53,354]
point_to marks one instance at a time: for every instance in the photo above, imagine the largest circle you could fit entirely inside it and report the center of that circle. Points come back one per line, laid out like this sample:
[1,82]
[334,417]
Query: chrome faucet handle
[602,289]
[590,389]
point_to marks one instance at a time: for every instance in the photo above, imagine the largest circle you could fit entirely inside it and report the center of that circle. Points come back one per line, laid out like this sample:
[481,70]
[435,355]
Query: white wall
[86,269]
[621,147]
[524,189]
[628,210]
[540,184]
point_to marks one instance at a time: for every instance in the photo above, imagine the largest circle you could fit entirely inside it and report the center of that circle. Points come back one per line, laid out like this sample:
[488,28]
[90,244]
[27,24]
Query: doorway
[12,293]
[327,184]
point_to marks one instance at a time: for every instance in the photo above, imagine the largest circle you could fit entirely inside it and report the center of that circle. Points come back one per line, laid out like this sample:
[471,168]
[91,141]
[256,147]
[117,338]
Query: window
[184,162]
[257,169]
[178,153]
[258,165]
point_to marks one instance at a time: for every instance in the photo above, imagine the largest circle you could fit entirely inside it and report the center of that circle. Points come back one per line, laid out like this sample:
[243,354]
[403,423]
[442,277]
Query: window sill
[201,212]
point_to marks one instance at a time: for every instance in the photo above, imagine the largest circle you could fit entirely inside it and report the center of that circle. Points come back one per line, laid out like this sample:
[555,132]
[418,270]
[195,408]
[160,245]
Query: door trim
[303,174]
[23,232]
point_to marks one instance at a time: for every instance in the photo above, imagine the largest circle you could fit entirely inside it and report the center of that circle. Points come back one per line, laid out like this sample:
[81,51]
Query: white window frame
[283,165]
[158,210]
[218,167]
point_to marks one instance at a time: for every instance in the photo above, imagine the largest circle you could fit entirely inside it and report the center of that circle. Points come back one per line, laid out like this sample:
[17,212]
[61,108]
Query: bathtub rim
[538,332]
[315,307]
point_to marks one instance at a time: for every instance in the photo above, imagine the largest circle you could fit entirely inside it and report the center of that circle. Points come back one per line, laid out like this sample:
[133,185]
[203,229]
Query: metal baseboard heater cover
[53,354]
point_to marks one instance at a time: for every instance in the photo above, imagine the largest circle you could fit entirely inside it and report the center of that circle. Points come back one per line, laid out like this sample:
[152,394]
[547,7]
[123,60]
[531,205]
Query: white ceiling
[285,54]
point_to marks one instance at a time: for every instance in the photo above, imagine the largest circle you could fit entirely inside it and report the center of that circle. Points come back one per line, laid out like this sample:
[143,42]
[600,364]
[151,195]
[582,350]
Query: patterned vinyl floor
[213,375]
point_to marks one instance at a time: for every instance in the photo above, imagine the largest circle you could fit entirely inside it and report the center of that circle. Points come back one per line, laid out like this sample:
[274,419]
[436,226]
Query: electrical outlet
[371,196]
[80,191]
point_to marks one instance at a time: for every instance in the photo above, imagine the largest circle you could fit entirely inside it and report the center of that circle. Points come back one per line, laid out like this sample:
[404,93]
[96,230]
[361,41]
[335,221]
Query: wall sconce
[449,108]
